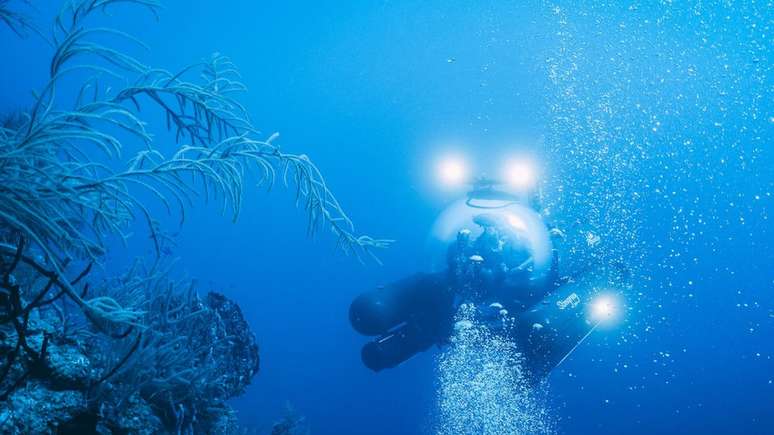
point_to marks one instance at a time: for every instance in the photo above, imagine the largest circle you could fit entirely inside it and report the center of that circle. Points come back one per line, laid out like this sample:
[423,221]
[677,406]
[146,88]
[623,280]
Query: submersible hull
[408,317]
[411,315]
[547,333]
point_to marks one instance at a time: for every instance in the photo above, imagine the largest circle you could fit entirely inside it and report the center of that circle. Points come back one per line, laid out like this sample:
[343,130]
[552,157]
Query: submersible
[499,254]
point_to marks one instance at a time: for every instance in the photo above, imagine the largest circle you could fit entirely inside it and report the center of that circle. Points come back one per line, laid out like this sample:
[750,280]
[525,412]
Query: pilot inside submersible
[502,256]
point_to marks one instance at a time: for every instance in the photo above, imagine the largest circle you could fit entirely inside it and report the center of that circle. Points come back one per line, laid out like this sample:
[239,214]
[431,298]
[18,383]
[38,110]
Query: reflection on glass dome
[508,239]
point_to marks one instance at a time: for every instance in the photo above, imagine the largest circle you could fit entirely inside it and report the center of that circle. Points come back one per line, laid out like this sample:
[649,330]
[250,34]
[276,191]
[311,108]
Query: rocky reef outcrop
[62,388]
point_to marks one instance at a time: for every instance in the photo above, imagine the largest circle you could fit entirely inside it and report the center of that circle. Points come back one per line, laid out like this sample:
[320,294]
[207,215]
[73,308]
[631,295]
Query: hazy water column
[481,388]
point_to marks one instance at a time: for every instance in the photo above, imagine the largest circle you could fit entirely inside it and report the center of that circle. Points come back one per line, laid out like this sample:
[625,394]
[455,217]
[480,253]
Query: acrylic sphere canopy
[516,219]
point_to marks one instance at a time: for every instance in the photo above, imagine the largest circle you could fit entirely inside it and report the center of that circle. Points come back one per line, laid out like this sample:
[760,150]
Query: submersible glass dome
[523,228]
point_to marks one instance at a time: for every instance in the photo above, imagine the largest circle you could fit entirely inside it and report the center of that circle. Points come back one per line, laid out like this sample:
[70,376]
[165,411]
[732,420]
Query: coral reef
[37,409]
[138,352]
[172,376]
[291,423]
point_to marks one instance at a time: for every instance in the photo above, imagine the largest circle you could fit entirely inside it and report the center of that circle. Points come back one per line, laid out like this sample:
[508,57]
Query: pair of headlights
[518,173]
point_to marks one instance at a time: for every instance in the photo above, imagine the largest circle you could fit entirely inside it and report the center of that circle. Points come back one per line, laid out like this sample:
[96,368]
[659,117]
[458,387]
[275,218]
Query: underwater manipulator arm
[407,317]
[549,332]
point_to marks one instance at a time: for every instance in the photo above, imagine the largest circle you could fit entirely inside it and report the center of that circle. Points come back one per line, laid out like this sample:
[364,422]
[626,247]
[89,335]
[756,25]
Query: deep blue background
[656,120]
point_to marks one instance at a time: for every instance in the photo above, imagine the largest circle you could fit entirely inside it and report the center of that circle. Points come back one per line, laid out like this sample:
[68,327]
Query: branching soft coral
[190,353]
[16,21]
[59,190]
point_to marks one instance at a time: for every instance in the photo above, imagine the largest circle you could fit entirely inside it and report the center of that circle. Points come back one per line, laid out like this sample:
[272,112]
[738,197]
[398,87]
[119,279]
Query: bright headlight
[452,171]
[520,174]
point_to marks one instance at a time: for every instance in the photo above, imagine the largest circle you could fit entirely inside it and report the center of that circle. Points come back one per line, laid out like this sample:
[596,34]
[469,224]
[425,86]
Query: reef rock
[137,418]
[36,409]
[238,368]
[69,367]
[55,394]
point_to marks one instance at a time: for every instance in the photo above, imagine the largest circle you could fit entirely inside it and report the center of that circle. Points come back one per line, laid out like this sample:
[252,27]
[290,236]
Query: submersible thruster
[499,252]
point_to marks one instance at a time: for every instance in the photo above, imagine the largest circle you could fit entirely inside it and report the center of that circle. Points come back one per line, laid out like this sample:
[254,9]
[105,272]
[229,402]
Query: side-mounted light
[605,309]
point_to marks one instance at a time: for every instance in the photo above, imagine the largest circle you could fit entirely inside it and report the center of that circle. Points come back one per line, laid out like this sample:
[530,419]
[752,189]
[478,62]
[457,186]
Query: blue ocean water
[652,123]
